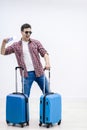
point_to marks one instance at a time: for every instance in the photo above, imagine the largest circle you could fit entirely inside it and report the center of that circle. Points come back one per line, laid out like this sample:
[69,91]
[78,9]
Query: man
[27,52]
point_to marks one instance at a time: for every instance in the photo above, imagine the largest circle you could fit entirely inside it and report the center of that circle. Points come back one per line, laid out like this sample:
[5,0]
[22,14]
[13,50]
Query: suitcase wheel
[7,122]
[49,125]
[40,124]
[27,123]
[59,122]
[22,125]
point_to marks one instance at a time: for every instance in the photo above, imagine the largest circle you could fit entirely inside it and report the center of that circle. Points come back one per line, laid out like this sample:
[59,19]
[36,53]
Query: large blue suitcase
[50,109]
[17,107]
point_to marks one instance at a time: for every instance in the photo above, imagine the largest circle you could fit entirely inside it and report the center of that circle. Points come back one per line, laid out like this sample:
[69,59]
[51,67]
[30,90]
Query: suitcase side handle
[22,78]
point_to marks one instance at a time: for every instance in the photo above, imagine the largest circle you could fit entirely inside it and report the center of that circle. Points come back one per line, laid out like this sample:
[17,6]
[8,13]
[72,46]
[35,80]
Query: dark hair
[25,26]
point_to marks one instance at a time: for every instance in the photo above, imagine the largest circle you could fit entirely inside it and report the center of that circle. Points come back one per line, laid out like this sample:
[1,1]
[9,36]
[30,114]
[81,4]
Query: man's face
[26,34]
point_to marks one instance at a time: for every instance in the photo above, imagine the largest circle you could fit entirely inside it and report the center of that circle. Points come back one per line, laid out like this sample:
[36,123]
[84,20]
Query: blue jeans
[40,81]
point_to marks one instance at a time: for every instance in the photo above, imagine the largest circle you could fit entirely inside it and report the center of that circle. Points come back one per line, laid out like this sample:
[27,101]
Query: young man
[27,52]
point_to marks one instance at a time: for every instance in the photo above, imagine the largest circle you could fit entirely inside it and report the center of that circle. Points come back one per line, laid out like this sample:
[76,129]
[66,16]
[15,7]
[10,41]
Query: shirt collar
[30,40]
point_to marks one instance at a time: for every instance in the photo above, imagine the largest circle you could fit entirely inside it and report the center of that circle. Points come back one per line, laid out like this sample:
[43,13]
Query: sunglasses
[26,32]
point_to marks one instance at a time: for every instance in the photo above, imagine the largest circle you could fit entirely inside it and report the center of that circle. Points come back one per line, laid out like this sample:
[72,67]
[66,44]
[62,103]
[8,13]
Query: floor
[74,115]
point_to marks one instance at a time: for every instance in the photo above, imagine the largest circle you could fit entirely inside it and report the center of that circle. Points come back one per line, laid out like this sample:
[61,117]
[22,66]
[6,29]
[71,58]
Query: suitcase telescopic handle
[22,78]
[48,81]
[18,67]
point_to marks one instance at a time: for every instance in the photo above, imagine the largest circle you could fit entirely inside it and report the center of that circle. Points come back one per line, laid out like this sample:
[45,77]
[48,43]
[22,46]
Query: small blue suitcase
[17,107]
[50,109]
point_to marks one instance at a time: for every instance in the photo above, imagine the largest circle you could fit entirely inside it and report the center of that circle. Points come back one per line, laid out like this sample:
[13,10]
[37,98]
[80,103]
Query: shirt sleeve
[9,50]
[41,49]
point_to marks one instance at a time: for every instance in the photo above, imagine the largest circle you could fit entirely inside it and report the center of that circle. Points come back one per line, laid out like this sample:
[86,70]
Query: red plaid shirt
[35,48]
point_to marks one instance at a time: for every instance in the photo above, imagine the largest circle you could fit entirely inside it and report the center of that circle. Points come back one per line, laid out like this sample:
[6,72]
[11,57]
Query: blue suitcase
[17,107]
[50,109]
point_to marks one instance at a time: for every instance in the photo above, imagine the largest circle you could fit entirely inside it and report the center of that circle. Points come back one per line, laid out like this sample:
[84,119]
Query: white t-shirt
[27,56]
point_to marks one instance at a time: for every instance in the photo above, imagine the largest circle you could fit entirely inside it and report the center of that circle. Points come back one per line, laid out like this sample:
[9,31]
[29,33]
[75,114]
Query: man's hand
[47,67]
[5,40]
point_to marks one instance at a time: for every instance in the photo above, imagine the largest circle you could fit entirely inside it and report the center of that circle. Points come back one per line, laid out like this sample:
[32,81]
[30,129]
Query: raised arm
[3,46]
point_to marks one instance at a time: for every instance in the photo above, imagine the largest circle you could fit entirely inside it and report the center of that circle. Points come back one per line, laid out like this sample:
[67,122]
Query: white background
[61,26]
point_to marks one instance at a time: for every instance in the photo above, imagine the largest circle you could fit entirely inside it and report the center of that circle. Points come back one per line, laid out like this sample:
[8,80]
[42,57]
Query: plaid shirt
[35,49]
